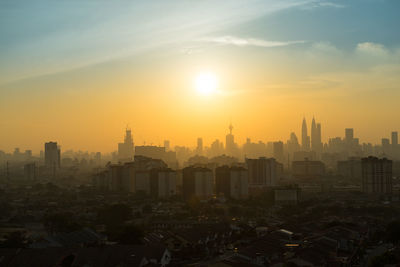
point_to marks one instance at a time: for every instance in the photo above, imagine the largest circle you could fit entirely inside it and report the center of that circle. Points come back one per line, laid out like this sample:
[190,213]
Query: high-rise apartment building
[278,151]
[232,182]
[197,182]
[376,175]
[395,139]
[163,183]
[262,171]
[52,156]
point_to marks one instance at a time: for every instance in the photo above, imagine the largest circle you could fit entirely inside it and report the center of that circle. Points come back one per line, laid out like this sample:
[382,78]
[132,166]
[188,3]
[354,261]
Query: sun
[206,83]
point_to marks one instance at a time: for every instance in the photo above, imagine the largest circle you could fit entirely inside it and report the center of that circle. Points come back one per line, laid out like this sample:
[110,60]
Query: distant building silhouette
[349,134]
[377,175]
[230,145]
[278,151]
[52,156]
[199,148]
[305,139]
[163,183]
[316,143]
[30,171]
[232,182]
[308,170]
[263,171]
[167,145]
[125,149]
[395,139]
[198,183]
[157,152]
[350,169]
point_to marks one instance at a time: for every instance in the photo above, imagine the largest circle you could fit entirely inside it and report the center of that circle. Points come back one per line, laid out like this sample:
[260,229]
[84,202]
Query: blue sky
[39,37]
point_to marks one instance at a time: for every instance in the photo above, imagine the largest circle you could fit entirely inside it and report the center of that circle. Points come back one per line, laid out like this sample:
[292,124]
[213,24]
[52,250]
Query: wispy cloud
[372,48]
[320,4]
[237,41]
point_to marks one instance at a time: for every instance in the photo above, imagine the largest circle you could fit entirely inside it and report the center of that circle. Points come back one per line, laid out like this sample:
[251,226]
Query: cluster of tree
[61,222]
[115,218]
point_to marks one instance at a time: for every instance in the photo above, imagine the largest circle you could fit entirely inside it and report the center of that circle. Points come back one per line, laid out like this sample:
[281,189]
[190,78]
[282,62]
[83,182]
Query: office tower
[316,143]
[157,152]
[293,144]
[199,148]
[230,142]
[216,148]
[313,134]
[262,171]
[167,145]
[30,171]
[197,182]
[28,154]
[305,139]
[162,183]
[278,151]
[349,135]
[52,156]
[125,149]
[116,177]
[97,158]
[386,149]
[308,170]
[376,175]
[350,169]
[232,182]
[395,140]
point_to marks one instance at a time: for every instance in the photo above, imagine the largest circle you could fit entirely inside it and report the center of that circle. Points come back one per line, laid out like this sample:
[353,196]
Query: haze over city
[194,133]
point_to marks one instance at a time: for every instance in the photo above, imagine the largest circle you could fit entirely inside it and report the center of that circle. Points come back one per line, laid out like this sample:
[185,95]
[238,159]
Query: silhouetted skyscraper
[52,155]
[349,134]
[230,142]
[278,151]
[262,171]
[232,182]
[199,149]
[197,182]
[305,139]
[167,145]
[125,149]
[376,175]
[316,143]
[395,140]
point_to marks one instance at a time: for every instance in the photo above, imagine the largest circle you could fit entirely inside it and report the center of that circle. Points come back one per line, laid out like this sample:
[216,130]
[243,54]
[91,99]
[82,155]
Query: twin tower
[314,143]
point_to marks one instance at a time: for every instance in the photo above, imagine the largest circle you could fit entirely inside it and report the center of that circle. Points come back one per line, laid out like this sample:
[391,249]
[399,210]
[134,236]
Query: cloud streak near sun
[237,41]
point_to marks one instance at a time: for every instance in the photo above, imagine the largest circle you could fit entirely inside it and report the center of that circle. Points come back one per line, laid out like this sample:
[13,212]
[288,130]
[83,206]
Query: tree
[14,240]
[393,232]
[61,222]
[115,214]
[147,209]
[131,235]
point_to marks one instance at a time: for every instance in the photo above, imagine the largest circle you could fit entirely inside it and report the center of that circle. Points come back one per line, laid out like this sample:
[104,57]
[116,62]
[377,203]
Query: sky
[79,72]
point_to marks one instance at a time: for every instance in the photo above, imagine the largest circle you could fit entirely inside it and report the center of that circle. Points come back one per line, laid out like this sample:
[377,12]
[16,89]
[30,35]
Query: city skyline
[308,138]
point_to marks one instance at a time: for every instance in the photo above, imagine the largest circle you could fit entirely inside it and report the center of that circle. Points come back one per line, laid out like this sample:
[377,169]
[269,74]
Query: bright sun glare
[206,83]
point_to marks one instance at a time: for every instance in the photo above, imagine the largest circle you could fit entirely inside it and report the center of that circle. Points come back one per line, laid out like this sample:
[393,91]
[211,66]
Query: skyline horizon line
[213,139]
